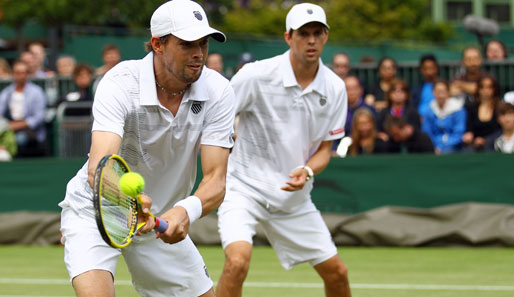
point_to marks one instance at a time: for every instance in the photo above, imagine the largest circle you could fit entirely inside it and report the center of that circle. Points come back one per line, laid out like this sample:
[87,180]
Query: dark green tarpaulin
[466,224]
[350,185]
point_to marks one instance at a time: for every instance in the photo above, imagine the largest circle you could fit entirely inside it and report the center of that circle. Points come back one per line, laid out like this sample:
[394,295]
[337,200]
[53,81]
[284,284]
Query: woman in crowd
[482,120]
[445,121]
[386,74]
[397,98]
[364,134]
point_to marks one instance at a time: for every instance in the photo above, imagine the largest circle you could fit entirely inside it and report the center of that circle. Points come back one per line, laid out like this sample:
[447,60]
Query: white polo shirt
[163,148]
[281,126]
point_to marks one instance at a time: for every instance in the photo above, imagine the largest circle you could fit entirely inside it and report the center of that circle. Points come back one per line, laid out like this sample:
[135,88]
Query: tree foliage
[356,19]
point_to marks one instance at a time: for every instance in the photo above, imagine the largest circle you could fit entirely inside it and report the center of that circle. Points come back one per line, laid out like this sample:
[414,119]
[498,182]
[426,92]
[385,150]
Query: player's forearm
[102,143]
[319,161]
[211,192]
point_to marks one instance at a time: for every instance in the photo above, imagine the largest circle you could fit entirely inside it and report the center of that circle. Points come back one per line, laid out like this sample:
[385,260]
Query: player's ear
[287,37]
[325,39]
[156,44]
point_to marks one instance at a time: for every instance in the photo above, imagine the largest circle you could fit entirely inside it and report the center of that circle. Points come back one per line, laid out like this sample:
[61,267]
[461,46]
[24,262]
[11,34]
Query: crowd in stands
[464,114]
[28,108]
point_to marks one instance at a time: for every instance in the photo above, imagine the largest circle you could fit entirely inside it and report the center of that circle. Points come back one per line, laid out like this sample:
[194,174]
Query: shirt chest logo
[196,107]
[322,100]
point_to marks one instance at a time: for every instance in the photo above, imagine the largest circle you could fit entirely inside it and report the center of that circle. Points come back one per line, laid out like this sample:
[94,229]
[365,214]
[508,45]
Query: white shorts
[157,269]
[297,237]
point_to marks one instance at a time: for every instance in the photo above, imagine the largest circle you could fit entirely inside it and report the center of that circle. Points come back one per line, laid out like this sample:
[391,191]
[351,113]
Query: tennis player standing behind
[291,108]
[156,113]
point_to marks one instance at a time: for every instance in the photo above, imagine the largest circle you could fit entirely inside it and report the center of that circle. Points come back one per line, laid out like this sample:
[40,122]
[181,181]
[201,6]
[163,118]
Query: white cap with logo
[303,13]
[183,19]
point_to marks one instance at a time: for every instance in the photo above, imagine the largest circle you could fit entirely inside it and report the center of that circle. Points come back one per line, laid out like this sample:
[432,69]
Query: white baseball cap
[183,19]
[303,13]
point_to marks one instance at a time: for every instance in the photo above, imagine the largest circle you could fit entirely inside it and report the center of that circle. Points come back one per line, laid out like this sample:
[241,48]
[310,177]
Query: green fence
[350,185]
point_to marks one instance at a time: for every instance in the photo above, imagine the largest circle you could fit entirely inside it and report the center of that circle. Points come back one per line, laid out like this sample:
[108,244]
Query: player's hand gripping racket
[116,212]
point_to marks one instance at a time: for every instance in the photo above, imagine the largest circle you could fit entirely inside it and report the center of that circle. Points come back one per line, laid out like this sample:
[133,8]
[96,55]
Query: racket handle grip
[160,225]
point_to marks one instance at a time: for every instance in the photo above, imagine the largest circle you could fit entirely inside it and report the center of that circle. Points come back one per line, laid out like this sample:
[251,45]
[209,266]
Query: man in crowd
[23,104]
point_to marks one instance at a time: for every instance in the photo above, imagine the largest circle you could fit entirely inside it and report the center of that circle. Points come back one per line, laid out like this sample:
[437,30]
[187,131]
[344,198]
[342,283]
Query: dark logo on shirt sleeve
[198,15]
[196,107]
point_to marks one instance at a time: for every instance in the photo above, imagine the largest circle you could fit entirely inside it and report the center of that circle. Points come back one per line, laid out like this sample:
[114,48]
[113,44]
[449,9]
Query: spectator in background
[23,104]
[482,119]
[8,147]
[466,84]
[65,65]
[386,74]
[445,121]
[341,65]
[423,94]
[503,141]
[28,58]
[244,58]
[495,50]
[364,134]
[110,56]
[367,59]
[215,62]
[397,98]
[83,79]
[403,138]
[5,70]
[38,50]
[355,93]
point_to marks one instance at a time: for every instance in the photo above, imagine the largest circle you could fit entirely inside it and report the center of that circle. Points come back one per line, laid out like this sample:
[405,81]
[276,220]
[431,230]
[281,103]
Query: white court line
[26,281]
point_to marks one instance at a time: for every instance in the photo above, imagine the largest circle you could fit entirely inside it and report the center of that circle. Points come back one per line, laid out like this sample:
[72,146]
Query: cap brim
[196,33]
[299,25]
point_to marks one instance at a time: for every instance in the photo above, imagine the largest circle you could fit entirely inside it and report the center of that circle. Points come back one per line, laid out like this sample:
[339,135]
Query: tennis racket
[116,213]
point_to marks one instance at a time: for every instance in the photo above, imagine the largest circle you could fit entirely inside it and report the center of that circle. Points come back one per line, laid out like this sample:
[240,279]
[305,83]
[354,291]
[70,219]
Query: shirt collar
[289,79]
[148,88]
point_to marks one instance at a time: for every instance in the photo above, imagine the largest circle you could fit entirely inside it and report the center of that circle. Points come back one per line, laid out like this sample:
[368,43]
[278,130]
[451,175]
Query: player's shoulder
[214,78]
[332,81]
[331,77]
[215,83]
[127,69]
[265,69]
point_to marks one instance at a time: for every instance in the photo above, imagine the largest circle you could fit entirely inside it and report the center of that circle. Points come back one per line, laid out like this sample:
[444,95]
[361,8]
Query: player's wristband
[310,173]
[193,206]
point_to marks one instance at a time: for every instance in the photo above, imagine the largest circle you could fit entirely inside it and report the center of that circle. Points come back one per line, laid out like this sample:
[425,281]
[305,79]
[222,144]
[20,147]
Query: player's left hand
[298,179]
[146,204]
[178,225]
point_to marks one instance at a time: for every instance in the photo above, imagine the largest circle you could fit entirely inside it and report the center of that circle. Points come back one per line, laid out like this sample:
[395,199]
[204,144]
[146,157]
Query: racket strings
[118,209]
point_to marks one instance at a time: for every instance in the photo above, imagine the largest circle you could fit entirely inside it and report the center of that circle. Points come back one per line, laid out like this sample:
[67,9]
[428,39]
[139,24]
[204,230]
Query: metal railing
[73,132]
[74,121]
[409,71]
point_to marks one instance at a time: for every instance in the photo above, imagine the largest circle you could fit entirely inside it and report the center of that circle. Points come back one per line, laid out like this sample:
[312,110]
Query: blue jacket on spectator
[447,125]
[34,107]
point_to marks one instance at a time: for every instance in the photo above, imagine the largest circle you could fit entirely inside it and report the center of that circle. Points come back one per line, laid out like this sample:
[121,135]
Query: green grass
[22,266]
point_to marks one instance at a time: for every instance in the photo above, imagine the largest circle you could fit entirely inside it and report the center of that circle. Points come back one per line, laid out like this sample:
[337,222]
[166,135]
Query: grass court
[32,271]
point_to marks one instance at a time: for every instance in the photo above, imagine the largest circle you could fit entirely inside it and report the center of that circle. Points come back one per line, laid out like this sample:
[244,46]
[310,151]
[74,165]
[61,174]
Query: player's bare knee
[237,264]
[338,274]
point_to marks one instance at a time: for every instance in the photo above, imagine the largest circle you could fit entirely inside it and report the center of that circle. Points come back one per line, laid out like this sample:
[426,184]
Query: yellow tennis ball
[132,183]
